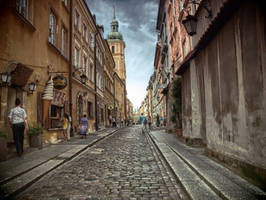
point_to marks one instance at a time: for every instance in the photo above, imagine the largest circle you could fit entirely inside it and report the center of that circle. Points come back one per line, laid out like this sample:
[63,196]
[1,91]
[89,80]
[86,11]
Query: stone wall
[231,92]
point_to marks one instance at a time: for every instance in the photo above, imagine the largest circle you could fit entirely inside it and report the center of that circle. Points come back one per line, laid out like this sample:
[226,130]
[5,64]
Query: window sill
[25,20]
[66,7]
[54,47]
[64,57]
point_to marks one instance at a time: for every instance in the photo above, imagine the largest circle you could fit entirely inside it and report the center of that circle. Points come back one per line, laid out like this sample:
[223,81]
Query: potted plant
[35,132]
[3,145]
[177,106]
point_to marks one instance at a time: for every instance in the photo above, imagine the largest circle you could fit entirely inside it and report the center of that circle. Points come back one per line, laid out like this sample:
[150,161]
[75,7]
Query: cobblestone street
[123,166]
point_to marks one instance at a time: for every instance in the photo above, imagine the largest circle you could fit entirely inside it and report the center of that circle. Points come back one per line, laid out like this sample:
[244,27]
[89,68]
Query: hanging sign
[60,82]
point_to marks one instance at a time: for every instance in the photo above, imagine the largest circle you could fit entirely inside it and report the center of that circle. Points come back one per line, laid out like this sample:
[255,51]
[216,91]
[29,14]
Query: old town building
[129,110]
[109,100]
[40,52]
[83,90]
[222,84]
[117,46]
[60,63]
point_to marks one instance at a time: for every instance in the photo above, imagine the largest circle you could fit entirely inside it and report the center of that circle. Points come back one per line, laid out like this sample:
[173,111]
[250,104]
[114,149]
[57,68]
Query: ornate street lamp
[32,87]
[83,78]
[190,24]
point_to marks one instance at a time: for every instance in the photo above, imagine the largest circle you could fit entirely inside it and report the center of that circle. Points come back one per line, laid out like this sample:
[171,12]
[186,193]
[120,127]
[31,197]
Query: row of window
[77,23]
[53,34]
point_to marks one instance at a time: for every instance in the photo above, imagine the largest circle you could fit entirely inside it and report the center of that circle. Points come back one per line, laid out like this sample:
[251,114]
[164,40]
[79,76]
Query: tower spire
[114,13]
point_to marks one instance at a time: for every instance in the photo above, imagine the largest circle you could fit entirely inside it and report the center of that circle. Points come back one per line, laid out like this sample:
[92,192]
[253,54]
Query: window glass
[52,28]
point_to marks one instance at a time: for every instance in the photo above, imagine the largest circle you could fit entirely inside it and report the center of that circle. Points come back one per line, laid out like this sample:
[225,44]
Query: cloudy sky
[137,21]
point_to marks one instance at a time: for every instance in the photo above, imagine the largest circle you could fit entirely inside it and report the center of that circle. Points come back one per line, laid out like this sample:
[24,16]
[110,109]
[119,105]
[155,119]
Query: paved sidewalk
[18,172]
[200,176]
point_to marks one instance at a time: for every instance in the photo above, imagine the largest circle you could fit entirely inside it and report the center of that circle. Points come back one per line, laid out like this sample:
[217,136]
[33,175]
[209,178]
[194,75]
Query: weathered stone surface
[123,166]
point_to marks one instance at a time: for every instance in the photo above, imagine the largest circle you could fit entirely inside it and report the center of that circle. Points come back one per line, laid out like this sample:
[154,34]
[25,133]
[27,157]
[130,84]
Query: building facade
[109,97]
[83,91]
[221,108]
[40,53]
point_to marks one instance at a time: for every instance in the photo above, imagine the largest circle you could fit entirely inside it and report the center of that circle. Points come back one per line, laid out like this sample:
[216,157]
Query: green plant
[35,129]
[177,106]
[3,134]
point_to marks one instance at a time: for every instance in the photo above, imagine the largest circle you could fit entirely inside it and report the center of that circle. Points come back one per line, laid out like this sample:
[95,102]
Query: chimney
[94,17]
[101,29]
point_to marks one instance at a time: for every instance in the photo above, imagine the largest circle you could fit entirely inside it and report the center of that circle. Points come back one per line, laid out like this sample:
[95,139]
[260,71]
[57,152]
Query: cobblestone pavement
[123,166]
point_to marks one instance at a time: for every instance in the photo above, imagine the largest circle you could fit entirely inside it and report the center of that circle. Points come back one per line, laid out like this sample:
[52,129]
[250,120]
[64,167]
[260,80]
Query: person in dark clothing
[157,120]
[18,122]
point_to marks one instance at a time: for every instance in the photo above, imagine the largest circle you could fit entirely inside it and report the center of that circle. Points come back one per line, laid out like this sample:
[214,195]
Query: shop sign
[110,107]
[60,82]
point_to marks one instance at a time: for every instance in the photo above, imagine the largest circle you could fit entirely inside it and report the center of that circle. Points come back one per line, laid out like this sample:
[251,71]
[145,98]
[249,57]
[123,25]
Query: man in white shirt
[18,122]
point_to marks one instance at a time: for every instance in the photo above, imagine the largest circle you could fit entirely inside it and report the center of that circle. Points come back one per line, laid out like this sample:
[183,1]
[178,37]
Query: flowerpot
[3,149]
[36,140]
[179,132]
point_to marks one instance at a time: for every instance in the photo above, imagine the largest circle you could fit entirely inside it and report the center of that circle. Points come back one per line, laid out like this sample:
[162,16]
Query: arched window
[113,49]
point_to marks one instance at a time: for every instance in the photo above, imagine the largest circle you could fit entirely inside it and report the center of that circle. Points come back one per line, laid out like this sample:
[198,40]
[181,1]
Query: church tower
[117,46]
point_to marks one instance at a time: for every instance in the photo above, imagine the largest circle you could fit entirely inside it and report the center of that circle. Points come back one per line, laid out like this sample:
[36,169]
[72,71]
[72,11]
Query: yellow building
[117,46]
[34,46]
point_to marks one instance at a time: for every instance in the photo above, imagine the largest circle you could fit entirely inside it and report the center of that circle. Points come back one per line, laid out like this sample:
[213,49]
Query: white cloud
[137,21]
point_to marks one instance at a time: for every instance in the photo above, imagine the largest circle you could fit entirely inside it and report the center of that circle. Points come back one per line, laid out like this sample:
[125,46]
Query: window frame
[77,19]
[76,57]
[64,41]
[52,38]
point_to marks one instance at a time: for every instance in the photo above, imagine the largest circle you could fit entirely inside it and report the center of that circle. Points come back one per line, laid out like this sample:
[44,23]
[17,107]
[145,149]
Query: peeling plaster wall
[224,89]
[195,103]
[186,105]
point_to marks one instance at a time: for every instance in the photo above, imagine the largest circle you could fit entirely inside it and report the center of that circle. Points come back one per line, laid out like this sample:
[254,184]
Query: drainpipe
[95,81]
[70,61]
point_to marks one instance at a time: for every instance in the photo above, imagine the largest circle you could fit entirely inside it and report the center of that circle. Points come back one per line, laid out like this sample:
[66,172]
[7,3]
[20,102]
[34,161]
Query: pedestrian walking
[149,122]
[65,126]
[110,120]
[142,120]
[18,122]
[114,123]
[84,126]
[69,127]
[161,121]
[157,120]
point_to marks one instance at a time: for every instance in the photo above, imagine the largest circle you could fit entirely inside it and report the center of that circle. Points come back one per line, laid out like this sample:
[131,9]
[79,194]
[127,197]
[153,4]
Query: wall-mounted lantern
[83,78]
[32,87]
[190,23]
[5,78]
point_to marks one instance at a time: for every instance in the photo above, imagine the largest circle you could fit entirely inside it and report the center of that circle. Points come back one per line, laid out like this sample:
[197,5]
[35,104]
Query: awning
[21,75]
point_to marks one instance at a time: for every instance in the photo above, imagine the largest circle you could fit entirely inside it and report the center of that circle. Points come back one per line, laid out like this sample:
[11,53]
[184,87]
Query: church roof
[114,34]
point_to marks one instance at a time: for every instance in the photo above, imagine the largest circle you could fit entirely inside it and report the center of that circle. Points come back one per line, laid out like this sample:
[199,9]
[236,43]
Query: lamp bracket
[203,5]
